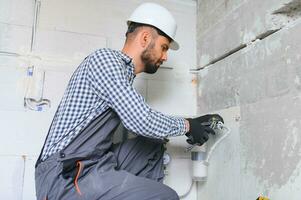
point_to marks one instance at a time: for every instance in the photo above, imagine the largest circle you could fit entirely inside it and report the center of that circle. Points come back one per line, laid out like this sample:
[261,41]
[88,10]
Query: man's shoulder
[105,55]
[103,52]
[106,58]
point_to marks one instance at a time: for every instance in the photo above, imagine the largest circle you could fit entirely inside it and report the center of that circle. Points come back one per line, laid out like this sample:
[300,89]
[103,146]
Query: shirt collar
[128,62]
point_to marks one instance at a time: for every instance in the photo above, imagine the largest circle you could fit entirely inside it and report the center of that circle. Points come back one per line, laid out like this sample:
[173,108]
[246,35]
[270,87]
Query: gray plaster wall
[249,55]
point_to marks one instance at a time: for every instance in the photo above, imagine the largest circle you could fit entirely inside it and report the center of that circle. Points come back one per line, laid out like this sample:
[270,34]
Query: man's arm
[111,84]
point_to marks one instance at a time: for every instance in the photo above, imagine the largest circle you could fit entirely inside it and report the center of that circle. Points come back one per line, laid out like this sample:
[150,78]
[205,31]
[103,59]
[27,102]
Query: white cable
[33,98]
[221,127]
[188,192]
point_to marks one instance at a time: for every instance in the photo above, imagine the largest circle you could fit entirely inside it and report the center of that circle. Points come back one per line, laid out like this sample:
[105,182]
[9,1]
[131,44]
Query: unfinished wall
[249,71]
[53,36]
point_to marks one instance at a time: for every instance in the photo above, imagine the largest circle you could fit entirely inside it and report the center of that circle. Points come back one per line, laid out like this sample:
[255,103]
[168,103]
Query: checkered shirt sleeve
[108,77]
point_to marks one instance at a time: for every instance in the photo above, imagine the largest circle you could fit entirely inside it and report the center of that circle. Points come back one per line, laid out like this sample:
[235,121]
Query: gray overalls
[92,168]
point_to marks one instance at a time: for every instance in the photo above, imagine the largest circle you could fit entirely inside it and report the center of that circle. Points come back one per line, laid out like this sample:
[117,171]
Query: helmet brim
[174,45]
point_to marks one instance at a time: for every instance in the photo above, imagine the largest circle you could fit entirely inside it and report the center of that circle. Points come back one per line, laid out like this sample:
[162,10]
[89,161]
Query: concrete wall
[65,32]
[249,71]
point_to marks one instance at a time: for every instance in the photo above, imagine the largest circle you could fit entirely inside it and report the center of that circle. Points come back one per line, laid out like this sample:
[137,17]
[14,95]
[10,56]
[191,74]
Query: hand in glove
[200,128]
[208,119]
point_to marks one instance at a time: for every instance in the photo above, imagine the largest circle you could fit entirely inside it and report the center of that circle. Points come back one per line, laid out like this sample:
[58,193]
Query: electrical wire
[188,192]
[221,127]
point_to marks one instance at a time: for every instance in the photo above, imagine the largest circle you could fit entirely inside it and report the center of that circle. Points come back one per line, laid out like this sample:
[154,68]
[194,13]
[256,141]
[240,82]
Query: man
[79,160]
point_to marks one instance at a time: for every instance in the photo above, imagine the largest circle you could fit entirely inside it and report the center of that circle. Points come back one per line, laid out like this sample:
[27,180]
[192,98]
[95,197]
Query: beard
[151,65]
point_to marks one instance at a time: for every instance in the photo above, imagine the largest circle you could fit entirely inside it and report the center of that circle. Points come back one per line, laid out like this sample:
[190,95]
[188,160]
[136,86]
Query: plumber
[78,159]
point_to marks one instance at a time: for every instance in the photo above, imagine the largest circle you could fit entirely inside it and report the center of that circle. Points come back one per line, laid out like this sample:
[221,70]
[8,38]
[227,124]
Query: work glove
[208,119]
[200,128]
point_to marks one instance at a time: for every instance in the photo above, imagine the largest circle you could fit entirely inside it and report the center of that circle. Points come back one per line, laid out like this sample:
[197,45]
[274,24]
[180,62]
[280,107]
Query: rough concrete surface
[271,140]
[262,78]
[267,68]
[237,26]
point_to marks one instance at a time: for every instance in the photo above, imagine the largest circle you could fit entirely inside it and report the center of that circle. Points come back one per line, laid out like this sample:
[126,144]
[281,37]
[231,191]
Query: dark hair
[134,25]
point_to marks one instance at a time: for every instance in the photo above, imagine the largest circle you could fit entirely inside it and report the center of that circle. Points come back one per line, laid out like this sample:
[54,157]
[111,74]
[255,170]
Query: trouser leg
[140,164]
[138,176]
[141,156]
[94,184]
[139,168]
[131,187]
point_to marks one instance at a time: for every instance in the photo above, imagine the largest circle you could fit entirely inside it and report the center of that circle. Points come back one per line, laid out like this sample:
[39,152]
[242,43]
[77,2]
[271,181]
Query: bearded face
[148,57]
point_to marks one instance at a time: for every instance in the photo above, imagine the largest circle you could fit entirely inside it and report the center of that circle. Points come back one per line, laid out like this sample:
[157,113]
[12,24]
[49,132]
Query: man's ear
[145,38]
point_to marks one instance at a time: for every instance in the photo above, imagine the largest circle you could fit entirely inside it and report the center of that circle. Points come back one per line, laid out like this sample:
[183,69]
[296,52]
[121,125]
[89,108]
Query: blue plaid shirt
[104,80]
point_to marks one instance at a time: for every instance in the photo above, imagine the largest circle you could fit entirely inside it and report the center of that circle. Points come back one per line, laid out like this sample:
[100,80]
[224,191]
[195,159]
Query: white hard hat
[157,16]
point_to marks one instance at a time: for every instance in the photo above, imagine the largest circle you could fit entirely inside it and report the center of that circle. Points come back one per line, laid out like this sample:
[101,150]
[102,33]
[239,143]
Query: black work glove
[208,119]
[200,128]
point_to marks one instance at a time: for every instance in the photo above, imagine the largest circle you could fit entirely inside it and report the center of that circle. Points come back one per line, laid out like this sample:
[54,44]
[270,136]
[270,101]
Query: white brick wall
[67,31]
[12,177]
